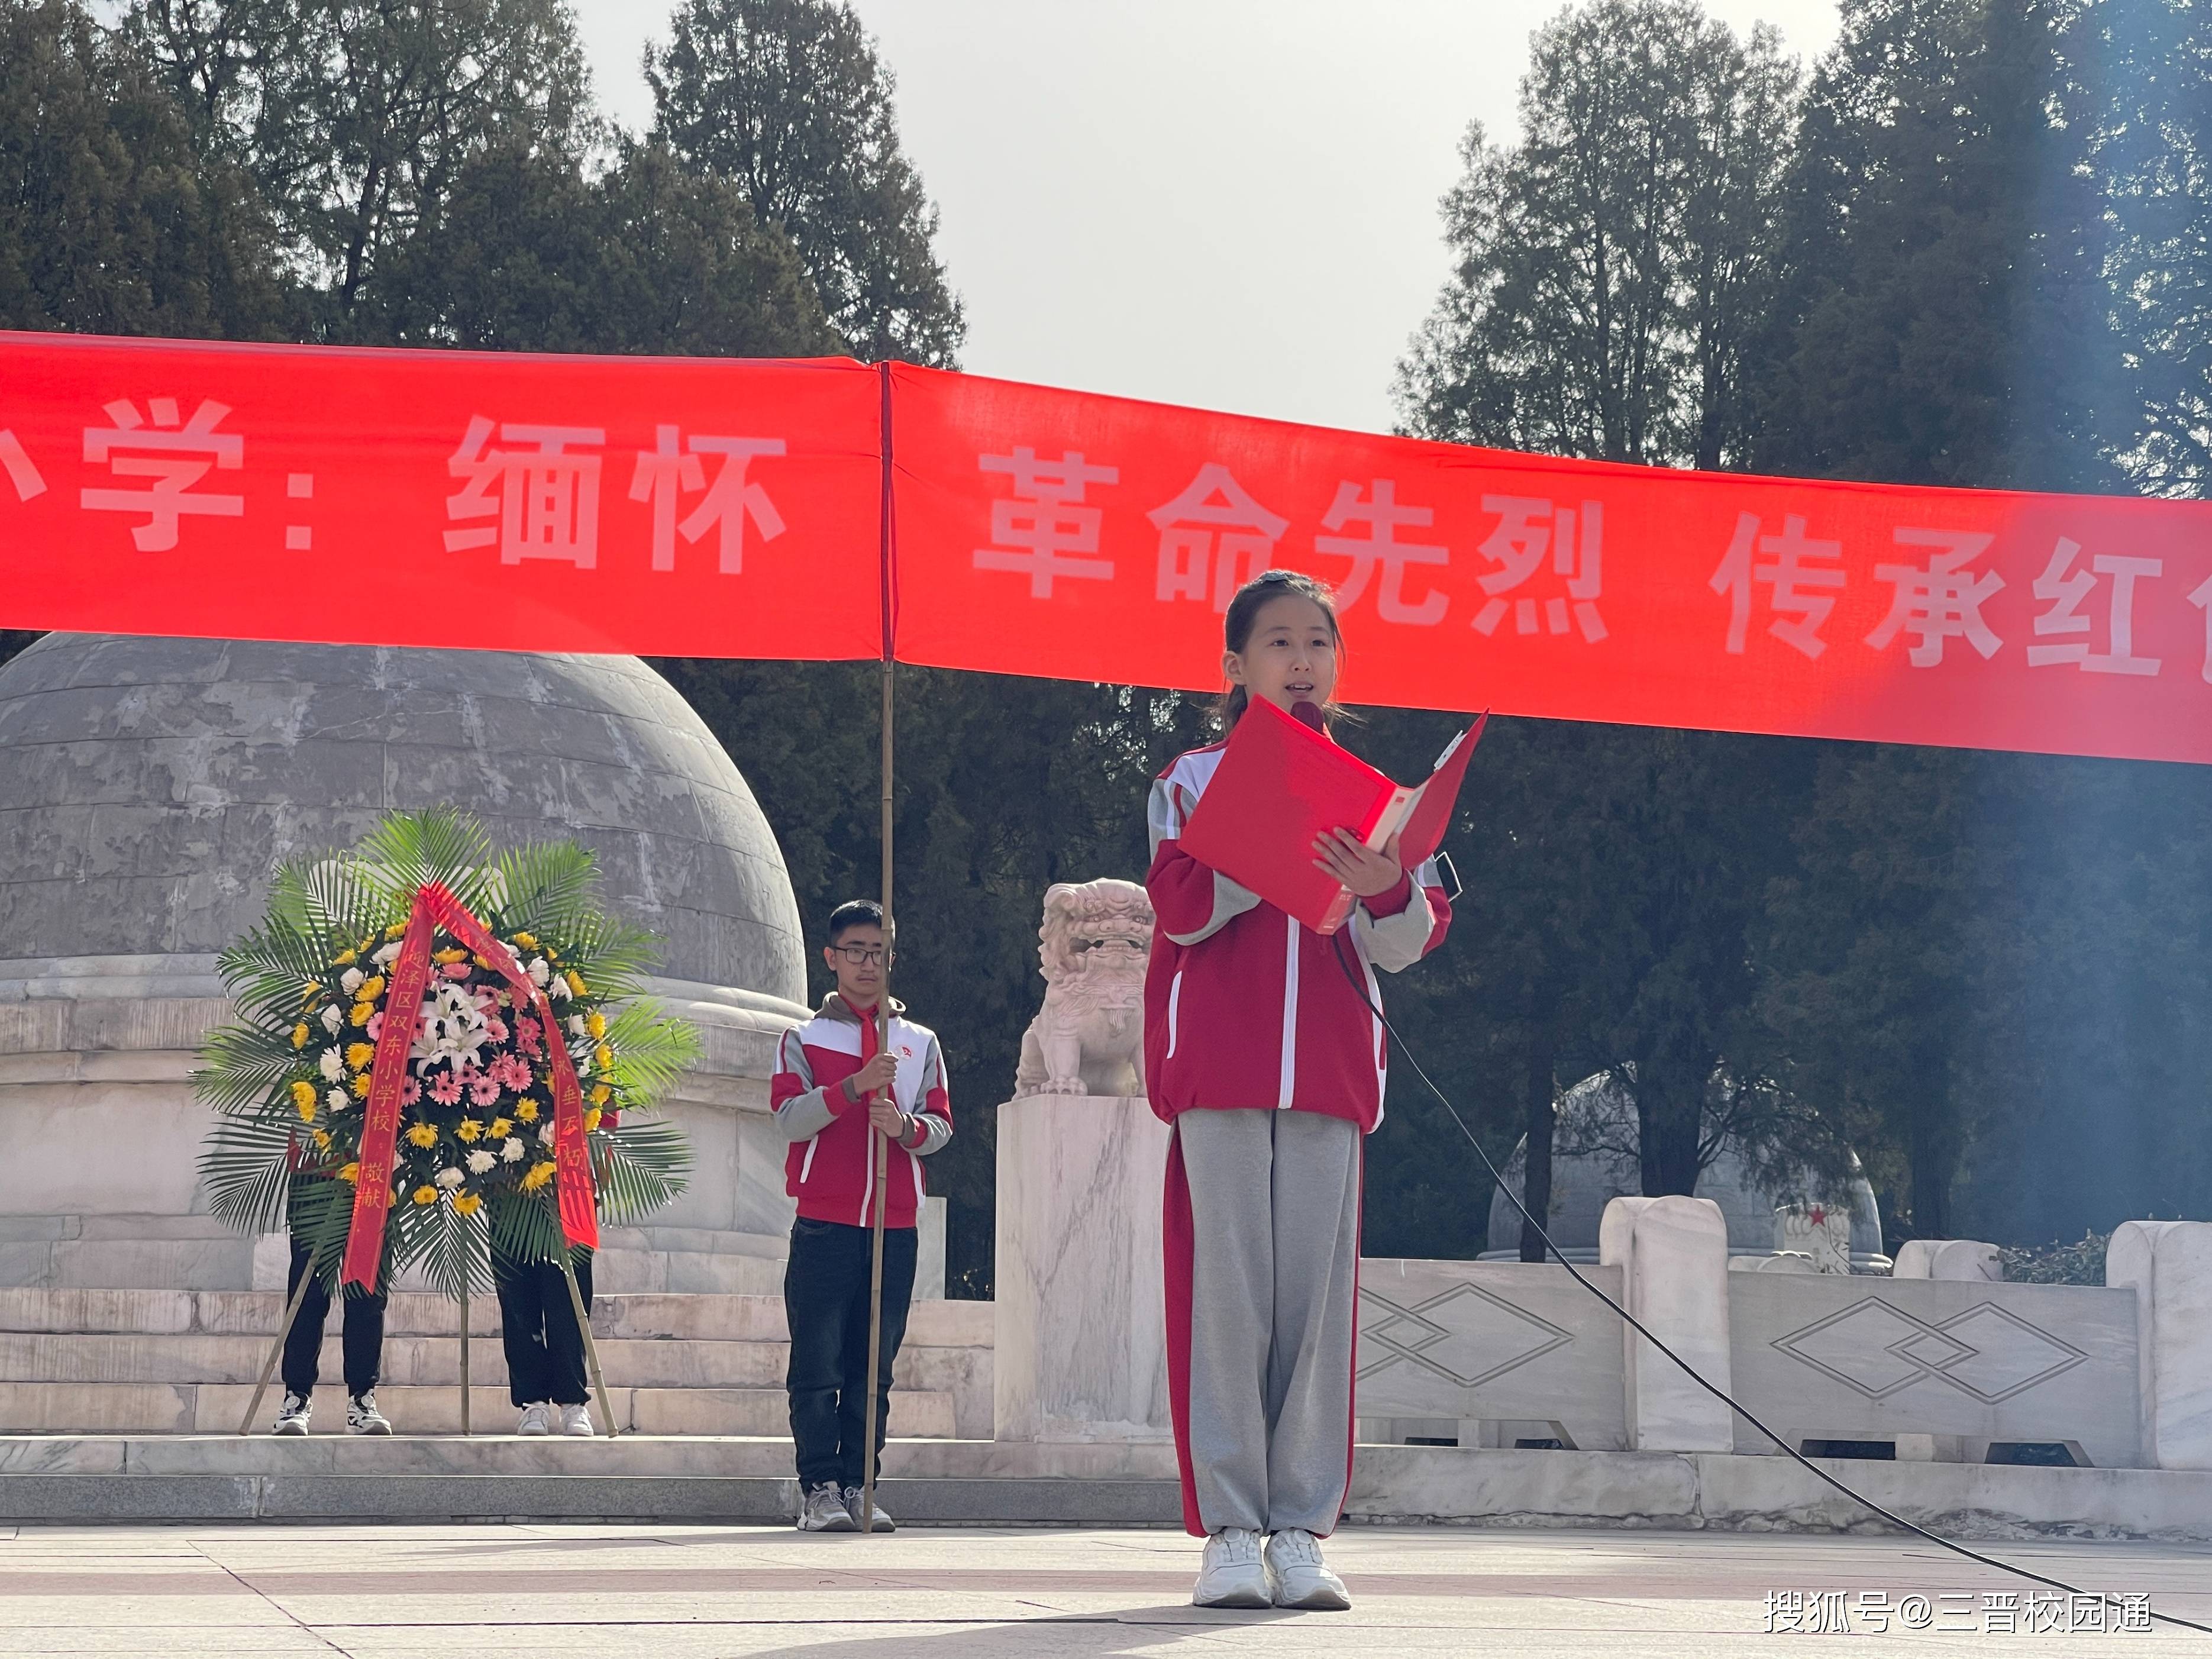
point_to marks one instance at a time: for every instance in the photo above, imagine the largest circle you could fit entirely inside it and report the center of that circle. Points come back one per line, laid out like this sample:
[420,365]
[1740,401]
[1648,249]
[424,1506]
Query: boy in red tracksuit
[1263,1052]
[835,1090]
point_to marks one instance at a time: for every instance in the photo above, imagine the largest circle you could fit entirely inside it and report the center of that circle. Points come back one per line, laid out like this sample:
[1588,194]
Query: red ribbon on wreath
[434,907]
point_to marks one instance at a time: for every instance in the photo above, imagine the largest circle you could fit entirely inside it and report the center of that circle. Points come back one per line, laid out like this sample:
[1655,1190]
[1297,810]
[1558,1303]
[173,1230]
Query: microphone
[1309,712]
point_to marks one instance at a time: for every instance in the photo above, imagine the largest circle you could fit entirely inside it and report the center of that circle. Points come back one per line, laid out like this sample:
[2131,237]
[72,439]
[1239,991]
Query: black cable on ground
[1360,988]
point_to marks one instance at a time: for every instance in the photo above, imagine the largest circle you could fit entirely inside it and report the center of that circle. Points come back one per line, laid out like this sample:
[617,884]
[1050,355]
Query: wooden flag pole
[464,1360]
[276,1348]
[880,1143]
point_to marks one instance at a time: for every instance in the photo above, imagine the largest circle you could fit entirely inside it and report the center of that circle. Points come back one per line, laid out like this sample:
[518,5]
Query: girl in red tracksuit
[1264,1055]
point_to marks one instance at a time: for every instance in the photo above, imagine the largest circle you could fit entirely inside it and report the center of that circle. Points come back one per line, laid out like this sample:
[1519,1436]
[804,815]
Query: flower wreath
[528,998]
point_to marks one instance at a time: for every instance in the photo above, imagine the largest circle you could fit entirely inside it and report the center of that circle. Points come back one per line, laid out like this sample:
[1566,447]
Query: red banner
[675,506]
[1049,533]
[689,507]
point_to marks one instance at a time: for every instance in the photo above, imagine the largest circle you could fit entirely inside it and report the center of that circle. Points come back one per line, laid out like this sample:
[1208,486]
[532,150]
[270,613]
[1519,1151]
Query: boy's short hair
[854,913]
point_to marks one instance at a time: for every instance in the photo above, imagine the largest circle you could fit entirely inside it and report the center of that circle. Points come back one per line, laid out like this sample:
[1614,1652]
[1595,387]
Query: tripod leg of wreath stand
[465,1361]
[881,1144]
[590,1348]
[276,1348]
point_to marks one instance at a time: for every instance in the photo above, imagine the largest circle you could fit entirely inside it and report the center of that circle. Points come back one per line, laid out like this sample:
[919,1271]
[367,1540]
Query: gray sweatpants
[1275,1202]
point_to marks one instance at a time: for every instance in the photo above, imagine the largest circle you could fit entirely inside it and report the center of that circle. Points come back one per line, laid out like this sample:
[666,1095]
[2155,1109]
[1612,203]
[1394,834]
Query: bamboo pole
[590,1348]
[276,1348]
[465,1361]
[881,1143]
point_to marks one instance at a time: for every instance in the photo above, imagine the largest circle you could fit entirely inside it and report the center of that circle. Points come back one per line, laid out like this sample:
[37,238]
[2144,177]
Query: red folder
[1280,783]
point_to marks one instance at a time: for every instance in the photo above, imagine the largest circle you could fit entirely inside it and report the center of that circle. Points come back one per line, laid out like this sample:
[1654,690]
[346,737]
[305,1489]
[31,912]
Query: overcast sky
[1231,203]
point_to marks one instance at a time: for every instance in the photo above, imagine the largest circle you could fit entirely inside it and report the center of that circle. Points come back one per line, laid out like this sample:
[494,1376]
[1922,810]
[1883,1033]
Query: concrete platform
[674,1592]
[980,1482]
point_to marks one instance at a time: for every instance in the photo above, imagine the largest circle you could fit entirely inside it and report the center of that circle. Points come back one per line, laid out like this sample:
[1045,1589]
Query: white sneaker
[363,1418]
[536,1419]
[823,1510]
[292,1415]
[877,1521]
[1303,1579]
[1233,1575]
[576,1419]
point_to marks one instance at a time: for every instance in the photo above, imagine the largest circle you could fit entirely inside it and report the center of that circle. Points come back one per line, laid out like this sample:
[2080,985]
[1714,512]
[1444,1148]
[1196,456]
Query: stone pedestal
[1080,1352]
[1673,1254]
[2168,1265]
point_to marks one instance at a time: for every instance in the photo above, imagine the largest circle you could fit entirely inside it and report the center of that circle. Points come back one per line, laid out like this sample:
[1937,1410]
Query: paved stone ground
[595,1592]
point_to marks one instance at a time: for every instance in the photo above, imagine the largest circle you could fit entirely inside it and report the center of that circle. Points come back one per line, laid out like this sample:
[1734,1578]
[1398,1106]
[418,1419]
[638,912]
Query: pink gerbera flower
[375,1026]
[527,1034]
[496,1030]
[484,1091]
[454,969]
[447,1090]
[409,1092]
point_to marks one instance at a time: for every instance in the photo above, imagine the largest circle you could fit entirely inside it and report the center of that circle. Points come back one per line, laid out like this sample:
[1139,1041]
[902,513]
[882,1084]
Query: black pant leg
[363,1342]
[522,1329]
[817,1293]
[303,1343]
[566,1374]
[854,1447]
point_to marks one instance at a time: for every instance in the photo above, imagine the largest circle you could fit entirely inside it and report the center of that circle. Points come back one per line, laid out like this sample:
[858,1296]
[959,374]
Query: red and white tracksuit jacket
[830,1167]
[1245,1007]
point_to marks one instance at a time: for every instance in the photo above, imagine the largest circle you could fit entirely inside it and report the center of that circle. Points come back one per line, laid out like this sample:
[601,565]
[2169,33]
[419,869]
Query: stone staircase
[82,1361]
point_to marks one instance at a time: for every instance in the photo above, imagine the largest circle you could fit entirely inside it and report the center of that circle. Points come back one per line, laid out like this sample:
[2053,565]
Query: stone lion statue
[1089,1037]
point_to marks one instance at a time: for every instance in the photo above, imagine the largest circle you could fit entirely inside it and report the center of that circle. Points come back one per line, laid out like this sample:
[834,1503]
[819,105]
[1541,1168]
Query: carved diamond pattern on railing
[1452,1333]
[1877,1348]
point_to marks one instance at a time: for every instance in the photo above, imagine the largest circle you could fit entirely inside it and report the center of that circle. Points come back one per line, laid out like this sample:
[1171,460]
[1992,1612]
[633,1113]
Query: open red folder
[1280,783]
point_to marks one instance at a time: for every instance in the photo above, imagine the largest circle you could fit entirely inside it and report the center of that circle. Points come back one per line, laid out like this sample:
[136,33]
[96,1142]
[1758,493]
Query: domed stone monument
[148,788]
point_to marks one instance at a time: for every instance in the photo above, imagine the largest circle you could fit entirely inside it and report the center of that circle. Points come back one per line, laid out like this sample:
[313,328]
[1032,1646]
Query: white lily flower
[351,980]
[480,1160]
[332,1065]
[513,1150]
[449,1178]
[332,1020]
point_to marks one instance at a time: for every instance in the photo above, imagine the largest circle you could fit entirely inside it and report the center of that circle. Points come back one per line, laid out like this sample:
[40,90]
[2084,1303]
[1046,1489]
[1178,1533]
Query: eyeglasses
[861,956]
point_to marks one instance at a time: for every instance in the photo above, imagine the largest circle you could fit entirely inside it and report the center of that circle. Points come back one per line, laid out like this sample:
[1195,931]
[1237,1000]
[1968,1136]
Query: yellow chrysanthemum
[359,1055]
[467,1203]
[526,1110]
[603,1056]
[592,1120]
[314,990]
[526,941]
[360,1083]
[575,983]
[596,1023]
[468,1129]
[538,1175]
[303,1097]
[395,930]
[500,1125]
[347,958]
[371,988]
[450,953]
[349,1173]
[300,1036]
[322,1141]
[421,1135]
[482,961]
[361,1013]
[426,1195]
[600,1094]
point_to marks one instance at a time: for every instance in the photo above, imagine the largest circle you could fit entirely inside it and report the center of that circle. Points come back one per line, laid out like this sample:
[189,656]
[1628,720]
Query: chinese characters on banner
[709,507]
[1097,538]
[684,507]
